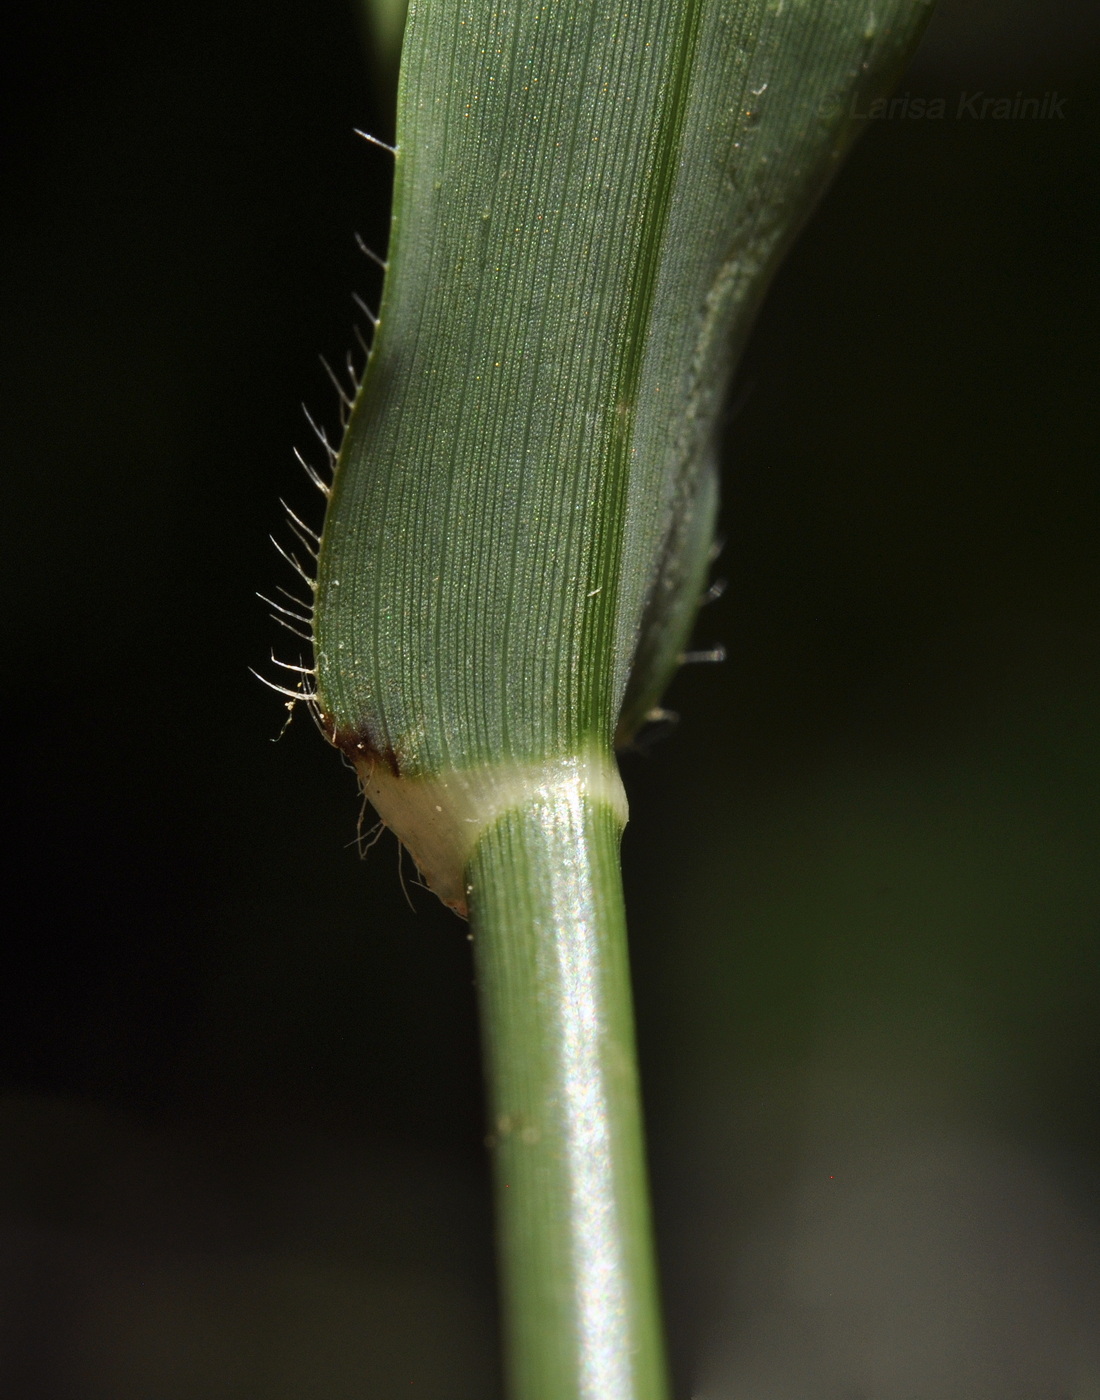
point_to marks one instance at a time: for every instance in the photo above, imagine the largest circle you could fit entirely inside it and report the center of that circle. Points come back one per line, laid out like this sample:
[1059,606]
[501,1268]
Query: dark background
[240,1117]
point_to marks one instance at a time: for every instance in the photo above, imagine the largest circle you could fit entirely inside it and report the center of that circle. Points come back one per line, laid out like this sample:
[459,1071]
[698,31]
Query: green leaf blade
[589,202]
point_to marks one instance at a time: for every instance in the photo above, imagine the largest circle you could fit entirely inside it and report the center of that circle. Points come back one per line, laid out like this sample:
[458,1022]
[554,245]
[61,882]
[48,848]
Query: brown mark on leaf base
[360,747]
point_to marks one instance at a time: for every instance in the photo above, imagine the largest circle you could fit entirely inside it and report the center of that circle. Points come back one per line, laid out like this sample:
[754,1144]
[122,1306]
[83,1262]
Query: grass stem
[578,1280]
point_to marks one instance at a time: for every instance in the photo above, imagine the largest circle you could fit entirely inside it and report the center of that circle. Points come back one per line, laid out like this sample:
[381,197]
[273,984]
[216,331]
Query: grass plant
[588,203]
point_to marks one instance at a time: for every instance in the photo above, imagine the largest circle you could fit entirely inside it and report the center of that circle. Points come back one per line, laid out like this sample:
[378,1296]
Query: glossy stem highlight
[581,1317]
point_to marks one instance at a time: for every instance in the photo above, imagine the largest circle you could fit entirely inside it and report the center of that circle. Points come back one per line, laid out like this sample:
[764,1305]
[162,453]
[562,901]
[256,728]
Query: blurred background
[241,1139]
